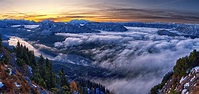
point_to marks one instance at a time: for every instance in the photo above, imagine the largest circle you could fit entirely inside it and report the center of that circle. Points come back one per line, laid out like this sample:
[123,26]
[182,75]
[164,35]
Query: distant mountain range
[47,27]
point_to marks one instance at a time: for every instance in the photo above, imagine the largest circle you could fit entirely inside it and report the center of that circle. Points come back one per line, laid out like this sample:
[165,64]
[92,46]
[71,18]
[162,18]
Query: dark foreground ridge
[184,79]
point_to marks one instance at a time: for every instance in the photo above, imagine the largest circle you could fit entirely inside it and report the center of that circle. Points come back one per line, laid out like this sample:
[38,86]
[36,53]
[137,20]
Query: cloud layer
[141,54]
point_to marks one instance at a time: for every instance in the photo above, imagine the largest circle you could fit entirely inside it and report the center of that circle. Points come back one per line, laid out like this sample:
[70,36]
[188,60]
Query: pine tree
[0,40]
[63,78]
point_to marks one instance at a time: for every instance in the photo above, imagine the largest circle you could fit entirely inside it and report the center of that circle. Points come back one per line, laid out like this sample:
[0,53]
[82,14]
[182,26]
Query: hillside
[184,79]
[12,79]
[21,72]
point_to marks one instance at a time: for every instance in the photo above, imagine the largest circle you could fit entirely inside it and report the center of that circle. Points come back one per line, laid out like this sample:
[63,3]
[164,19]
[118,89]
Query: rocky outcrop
[187,85]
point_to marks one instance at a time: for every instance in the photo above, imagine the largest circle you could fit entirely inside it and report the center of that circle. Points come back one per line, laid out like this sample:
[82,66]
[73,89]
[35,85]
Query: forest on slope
[183,78]
[22,72]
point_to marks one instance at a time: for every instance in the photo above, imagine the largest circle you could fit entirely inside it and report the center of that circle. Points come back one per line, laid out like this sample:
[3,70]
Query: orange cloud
[113,15]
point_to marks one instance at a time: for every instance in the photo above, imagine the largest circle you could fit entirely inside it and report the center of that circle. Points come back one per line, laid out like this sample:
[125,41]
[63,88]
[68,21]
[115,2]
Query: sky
[102,10]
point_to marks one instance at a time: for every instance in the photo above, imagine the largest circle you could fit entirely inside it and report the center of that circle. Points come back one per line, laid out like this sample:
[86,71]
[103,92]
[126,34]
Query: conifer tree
[0,40]
[63,80]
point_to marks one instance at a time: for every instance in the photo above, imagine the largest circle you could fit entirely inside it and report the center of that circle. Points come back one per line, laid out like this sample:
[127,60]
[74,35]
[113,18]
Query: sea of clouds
[141,54]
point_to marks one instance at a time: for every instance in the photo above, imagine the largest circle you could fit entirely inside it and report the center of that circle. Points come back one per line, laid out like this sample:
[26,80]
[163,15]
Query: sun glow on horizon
[101,11]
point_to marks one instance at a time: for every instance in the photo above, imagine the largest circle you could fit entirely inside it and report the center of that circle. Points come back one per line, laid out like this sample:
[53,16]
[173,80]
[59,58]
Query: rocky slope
[12,81]
[15,79]
[187,85]
[184,79]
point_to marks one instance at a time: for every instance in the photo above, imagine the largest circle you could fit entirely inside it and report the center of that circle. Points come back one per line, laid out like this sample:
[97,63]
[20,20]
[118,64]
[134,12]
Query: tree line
[44,75]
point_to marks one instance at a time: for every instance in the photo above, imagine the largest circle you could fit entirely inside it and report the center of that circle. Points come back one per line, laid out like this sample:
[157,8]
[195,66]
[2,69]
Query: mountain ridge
[184,79]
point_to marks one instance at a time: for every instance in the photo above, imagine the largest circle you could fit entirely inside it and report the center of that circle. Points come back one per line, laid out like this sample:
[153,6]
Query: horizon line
[173,22]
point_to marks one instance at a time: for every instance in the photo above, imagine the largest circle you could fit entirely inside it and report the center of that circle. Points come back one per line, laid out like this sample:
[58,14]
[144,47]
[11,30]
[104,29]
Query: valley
[132,57]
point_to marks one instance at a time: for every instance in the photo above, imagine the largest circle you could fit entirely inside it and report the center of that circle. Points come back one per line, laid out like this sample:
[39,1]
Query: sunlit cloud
[103,10]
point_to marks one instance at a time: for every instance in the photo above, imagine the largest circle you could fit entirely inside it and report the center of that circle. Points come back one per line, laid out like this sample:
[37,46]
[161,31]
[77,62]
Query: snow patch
[192,79]
[10,71]
[184,91]
[17,85]
[31,26]
[15,26]
[30,69]
[28,30]
[34,85]
[195,69]
[182,79]
[1,84]
[26,26]
[186,85]
[81,24]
